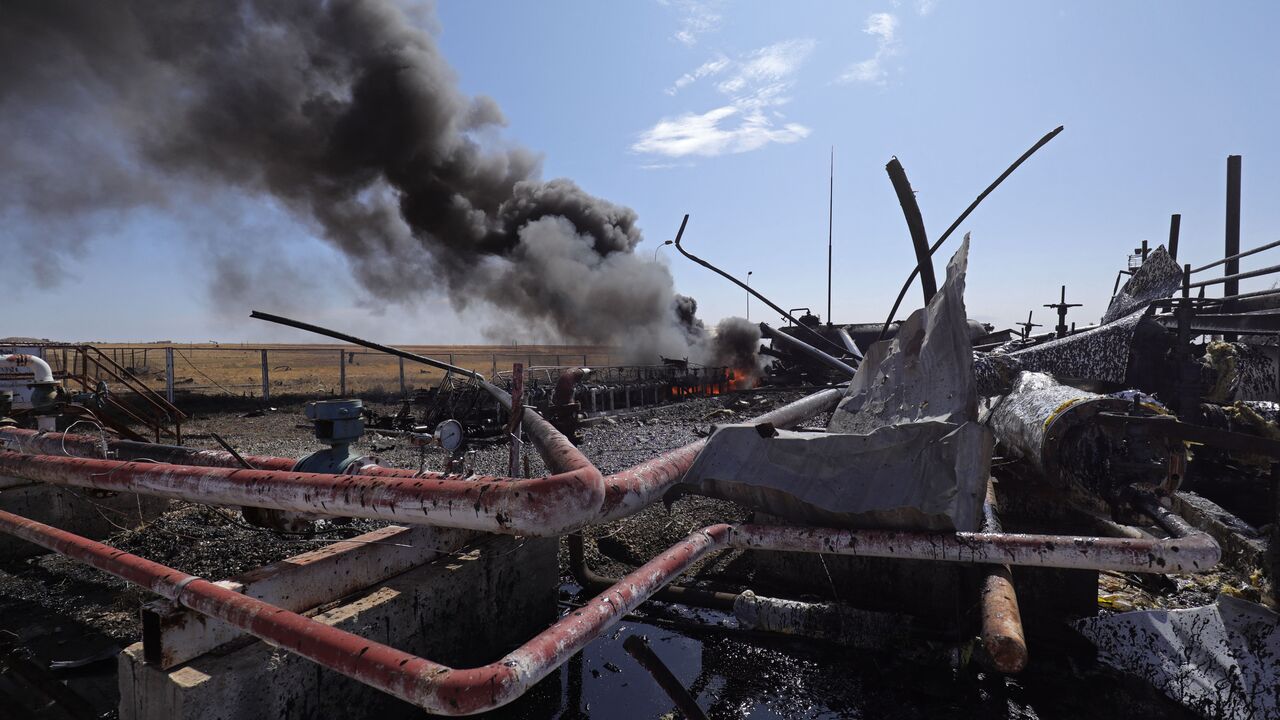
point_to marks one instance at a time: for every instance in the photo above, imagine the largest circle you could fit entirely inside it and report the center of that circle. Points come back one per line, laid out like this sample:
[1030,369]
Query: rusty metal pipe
[429,685]
[34,442]
[681,594]
[573,498]
[542,506]
[566,502]
[1189,551]
[1003,639]
[443,690]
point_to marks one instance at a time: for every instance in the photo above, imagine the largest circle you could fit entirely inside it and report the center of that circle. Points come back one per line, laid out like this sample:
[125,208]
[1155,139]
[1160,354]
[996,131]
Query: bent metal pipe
[576,496]
[450,691]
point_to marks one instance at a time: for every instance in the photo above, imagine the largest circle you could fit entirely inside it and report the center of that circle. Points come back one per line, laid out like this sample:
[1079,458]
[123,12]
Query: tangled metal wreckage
[1007,467]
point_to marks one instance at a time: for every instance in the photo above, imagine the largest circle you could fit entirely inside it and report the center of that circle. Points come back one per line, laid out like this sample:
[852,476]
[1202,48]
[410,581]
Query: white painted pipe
[43,373]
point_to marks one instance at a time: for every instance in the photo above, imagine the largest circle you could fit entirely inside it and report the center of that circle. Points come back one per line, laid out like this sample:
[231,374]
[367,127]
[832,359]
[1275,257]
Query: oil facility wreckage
[910,518]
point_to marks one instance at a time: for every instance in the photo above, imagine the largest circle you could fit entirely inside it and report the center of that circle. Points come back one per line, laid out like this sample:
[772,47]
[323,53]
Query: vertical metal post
[266,378]
[168,373]
[1175,227]
[517,410]
[1275,531]
[493,362]
[831,209]
[1188,395]
[403,391]
[1184,309]
[1232,267]
[342,373]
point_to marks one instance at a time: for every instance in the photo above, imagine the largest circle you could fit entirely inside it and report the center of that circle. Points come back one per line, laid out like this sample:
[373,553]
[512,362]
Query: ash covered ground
[78,613]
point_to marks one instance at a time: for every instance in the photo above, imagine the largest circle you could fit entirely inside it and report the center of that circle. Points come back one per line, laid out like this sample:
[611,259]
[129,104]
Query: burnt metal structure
[915,225]
[1231,249]
[842,370]
[1061,306]
[956,223]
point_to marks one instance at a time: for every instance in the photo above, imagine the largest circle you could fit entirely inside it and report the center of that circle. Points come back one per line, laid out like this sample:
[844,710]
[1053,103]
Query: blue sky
[728,110]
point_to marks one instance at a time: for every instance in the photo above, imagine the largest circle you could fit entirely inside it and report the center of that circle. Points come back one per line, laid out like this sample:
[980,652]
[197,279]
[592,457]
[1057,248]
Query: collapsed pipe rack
[440,689]
[576,496]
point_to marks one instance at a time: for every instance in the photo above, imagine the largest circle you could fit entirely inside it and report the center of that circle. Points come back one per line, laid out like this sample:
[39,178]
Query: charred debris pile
[972,486]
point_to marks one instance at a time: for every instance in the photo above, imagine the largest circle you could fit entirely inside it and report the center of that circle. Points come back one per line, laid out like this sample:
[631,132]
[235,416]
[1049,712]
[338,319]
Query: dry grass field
[318,369]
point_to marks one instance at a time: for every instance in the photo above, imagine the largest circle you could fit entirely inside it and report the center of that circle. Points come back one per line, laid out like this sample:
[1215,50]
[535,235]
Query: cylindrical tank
[1053,426]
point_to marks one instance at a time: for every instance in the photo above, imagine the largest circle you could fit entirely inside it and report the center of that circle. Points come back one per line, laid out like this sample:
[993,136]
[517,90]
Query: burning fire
[734,379]
[740,379]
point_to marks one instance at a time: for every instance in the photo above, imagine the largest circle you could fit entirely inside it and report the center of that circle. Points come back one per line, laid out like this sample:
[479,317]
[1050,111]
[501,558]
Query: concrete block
[463,610]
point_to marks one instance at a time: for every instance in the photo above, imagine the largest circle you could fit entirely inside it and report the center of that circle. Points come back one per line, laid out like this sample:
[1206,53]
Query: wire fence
[314,371]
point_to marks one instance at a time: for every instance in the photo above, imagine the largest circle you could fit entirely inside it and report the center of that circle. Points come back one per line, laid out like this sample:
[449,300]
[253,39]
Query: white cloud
[884,27]
[665,166]
[769,64]
[708,68]
[697,17]
[757,85]
[707,134]
[925,7]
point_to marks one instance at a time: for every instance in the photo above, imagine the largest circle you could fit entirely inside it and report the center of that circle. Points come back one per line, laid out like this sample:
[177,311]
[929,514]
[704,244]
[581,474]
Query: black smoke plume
[736,344]
[346,114]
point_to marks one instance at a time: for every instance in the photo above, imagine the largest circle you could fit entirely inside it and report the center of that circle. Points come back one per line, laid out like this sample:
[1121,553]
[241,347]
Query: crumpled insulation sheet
[834,622]
[903,450]
[1220,660]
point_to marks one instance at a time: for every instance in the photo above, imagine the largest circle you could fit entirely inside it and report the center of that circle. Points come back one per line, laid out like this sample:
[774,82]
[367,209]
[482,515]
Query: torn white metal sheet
[1220,660]
[903,450]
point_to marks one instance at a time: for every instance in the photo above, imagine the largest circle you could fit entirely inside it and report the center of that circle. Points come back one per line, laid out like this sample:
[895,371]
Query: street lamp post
[748,296]
[655,250]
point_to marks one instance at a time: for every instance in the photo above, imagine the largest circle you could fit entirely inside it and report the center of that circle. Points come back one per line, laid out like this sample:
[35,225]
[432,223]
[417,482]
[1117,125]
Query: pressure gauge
[449,435]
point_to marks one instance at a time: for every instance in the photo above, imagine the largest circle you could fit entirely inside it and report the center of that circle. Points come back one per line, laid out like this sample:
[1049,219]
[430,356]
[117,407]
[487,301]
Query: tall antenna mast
[831,203]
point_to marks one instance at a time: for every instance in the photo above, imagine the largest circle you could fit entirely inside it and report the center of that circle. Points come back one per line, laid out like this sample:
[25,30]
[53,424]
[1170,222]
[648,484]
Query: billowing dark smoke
[346,114]
[736,345]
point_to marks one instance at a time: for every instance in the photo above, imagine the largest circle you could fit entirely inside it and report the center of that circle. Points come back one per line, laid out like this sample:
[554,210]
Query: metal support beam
[1232,247]
[517,417]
